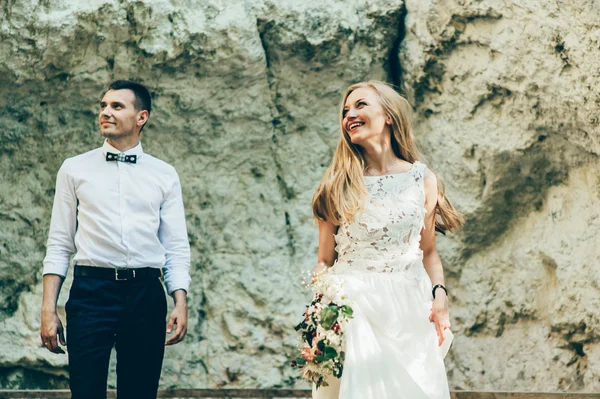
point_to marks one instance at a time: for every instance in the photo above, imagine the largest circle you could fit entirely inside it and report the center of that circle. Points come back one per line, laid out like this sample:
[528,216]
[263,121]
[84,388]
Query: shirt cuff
[179,281]
[50,268]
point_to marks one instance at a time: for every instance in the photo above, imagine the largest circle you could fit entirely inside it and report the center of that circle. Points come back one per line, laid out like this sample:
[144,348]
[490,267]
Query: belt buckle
[125,278]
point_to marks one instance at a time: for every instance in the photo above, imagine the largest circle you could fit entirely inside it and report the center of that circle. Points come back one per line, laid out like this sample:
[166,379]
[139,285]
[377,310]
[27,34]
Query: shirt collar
[137,150]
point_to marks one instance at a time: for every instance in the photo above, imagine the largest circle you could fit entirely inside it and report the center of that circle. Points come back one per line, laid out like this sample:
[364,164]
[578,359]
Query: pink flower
[307,354]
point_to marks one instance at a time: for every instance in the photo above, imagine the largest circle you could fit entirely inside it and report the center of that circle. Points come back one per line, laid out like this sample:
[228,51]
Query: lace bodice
[385,236]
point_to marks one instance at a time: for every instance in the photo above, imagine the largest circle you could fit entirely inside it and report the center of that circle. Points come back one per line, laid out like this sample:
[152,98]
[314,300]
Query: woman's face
[363,116]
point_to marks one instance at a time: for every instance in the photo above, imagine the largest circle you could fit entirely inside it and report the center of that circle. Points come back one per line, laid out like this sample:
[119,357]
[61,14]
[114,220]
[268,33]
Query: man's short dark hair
[143,100]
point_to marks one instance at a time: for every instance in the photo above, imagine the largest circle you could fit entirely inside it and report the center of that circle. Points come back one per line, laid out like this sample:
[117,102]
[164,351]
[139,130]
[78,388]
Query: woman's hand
[440,314]
[319,270]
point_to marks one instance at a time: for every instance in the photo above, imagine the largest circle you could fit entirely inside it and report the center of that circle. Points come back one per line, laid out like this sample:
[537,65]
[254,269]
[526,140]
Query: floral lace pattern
[385,236]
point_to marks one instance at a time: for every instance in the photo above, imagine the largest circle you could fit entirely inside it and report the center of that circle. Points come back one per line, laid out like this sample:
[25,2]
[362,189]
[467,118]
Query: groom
[120,211]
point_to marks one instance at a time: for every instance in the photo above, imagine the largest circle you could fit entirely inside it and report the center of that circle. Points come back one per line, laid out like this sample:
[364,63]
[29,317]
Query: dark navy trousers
[127,315]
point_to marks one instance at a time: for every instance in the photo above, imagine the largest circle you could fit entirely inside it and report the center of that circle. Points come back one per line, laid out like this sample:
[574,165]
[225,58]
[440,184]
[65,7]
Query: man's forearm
[180,297]
[52,285]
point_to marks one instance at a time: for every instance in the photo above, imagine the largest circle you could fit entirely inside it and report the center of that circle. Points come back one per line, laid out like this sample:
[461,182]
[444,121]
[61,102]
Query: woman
[377,209]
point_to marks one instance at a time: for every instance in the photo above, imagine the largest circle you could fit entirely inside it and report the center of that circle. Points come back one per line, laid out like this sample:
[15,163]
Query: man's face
[118,117]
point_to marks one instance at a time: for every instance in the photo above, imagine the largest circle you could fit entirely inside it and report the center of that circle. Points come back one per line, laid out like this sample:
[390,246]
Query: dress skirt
[391,346]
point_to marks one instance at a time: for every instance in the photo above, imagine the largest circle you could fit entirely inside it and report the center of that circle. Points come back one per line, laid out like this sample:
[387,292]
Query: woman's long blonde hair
[342,192]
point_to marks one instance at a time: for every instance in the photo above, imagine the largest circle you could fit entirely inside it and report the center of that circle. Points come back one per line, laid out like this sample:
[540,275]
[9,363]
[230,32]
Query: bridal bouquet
[322,331]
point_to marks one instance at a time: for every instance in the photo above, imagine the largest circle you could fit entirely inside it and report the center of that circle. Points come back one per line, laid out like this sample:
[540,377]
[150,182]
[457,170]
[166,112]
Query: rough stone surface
[246,96]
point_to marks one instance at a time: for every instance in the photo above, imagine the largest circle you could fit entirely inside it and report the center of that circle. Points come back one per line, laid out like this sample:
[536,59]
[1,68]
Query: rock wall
[507,95]
[246,96]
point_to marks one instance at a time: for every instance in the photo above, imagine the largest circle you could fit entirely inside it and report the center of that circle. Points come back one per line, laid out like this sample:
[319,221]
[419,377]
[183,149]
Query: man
[120,211]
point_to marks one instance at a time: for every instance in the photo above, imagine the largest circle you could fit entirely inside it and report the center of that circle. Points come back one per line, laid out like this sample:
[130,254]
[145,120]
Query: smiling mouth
[354,125]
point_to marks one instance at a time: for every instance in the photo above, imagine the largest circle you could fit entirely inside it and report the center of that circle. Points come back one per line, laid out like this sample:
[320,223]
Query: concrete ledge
[286,393]
[521,395]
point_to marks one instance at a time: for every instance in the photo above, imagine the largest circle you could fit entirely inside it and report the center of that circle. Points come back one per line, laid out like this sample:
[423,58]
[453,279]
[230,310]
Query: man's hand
[178,318]
[51,328]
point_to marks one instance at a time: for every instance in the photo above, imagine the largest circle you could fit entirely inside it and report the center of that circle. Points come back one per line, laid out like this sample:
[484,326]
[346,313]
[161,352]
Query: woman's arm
[431,260]
[326,254]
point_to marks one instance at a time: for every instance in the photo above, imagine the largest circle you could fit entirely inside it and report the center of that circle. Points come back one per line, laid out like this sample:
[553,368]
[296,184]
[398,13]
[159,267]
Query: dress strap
[420,168]
[419,175]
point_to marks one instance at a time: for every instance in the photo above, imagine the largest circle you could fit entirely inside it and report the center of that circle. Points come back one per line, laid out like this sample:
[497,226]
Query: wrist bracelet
[435,287]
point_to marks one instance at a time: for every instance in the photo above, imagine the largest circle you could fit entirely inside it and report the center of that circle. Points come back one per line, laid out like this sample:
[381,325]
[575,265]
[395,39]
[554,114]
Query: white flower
[332,289]
[334,339]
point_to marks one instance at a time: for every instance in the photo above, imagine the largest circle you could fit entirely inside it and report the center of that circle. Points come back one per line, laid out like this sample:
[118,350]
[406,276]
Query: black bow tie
[121,157]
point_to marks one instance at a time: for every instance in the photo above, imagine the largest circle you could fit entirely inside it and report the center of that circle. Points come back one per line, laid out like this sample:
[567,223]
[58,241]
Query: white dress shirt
[118,214]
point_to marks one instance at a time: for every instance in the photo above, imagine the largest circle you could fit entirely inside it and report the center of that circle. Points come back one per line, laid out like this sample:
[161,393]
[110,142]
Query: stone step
[286,393]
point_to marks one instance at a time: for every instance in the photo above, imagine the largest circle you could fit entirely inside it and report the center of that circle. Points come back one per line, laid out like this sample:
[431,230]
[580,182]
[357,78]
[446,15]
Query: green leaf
[347,311]
[301,326]
[321,383]
[338,372]
[327,353]
[321,346]
[330,352]
[319,359]
[300,360]
[329,316]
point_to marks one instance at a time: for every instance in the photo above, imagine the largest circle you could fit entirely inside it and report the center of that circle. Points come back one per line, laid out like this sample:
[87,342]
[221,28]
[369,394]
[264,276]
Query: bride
[377,209]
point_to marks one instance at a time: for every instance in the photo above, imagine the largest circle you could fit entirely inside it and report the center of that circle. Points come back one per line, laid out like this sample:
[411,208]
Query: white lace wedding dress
[391,346]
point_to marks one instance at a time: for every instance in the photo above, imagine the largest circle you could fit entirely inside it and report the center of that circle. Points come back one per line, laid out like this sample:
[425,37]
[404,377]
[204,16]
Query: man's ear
[142,117]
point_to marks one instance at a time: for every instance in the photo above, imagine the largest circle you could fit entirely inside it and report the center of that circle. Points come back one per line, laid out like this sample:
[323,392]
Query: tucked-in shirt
[118,214]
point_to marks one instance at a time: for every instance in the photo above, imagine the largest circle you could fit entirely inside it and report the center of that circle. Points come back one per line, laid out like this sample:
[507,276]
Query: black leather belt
[119,274]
